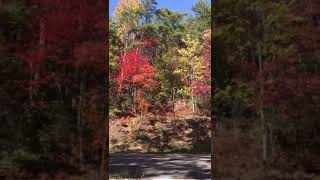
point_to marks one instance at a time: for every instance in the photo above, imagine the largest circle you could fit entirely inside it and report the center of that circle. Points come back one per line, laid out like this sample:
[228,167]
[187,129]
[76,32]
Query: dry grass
[154,134]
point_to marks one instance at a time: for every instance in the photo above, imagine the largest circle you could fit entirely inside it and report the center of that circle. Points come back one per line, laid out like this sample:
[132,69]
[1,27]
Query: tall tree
[149,9]
[191,64]
[135,74]
[127,15]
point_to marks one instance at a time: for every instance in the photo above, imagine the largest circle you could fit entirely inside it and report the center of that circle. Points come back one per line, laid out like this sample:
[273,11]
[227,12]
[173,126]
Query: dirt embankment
[159,134]
[237,155]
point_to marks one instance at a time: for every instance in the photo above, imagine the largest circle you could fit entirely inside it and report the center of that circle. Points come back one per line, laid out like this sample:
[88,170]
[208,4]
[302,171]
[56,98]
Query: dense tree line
[158,57]
[53,87]
[266,77]
[53,77]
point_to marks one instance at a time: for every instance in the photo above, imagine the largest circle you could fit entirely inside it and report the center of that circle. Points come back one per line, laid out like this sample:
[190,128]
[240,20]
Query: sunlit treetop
[126,16]
[124,5]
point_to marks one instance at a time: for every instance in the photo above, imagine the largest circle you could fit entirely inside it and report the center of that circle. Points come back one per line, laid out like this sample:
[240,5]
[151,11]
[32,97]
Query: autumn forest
[227,89]
[53,89]
[159,72]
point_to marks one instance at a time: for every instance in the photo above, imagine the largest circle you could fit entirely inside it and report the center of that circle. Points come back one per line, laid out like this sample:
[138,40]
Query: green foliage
[174,51]
[248,24]
[255,43]
[148,10]
[14,18]
[115,46]
[168,76]
[169,18]
[202,10]
[231,99]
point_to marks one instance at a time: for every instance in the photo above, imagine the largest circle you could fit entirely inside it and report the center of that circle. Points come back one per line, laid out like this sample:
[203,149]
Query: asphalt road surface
[159,166]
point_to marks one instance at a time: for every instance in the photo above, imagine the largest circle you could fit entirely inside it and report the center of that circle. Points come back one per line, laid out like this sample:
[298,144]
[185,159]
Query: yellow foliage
[126,16]
[123,5]
[191,61]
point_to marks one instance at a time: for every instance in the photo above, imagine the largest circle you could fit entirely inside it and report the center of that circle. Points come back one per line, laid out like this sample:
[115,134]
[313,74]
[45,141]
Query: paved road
[160,166]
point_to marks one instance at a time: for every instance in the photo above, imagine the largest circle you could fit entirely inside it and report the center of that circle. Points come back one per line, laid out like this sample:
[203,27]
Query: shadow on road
[160,165]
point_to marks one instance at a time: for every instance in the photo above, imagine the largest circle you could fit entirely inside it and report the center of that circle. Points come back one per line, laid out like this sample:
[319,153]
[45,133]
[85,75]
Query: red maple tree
[135,72]
[137,76]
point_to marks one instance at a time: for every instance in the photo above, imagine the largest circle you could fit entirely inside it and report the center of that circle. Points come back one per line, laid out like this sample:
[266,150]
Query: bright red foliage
[135,71]
[63,21]
[62,33]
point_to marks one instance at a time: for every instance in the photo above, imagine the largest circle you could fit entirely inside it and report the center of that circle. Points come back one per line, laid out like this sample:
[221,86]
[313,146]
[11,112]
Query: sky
[182,6]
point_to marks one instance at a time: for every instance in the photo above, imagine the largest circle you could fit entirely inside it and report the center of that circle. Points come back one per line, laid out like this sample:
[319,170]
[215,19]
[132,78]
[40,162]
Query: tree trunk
[173,106]
[30,87]
[34,74]
[212,144]
[261,42]
[261,111]
[271,143]
[192,101]
[134,100]
[192,97]
[104,167]
[79,123]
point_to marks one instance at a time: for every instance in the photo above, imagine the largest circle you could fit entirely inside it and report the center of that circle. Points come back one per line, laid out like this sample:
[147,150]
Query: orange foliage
[143,105]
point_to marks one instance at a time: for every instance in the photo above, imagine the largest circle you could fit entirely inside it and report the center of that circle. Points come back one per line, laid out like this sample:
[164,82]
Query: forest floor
[160,134]
[238,156]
